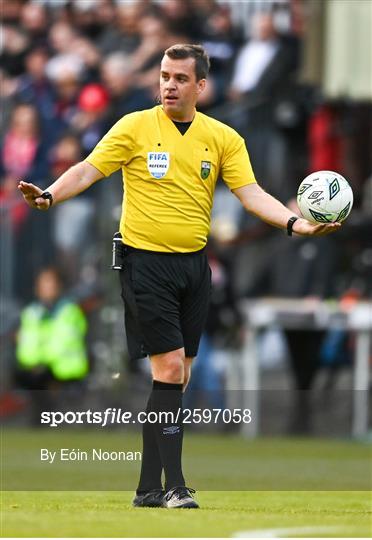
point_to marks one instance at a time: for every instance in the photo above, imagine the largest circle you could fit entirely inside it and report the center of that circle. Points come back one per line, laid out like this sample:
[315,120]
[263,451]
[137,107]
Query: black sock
[151,466]
[167,397]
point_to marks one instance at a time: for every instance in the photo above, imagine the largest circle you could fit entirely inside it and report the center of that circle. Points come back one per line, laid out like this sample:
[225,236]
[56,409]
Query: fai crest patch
[205,169]
[158,163]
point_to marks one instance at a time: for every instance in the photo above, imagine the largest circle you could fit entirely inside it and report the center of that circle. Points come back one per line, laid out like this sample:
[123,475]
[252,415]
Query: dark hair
[185,50]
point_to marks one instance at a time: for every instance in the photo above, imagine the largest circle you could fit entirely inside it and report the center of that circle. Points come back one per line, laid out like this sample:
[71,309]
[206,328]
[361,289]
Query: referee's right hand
[31,195]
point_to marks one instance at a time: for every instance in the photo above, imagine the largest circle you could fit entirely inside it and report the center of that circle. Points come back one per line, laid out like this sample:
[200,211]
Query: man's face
[179,89]
[48,287]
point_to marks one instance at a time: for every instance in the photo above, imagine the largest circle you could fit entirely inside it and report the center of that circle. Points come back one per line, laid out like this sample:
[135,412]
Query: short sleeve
[115,149]
[236,167]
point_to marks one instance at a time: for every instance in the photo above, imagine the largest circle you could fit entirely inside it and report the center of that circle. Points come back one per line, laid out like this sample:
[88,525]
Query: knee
[173,372]
[169,368]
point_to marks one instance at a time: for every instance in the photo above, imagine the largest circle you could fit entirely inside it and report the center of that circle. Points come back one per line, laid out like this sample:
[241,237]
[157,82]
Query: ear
[201,85]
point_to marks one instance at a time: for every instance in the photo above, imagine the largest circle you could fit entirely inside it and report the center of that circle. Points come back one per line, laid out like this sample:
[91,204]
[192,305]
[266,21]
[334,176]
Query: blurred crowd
[70,69]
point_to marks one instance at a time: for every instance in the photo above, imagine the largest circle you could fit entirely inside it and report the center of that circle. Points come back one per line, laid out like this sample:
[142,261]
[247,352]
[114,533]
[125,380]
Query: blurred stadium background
[290,318]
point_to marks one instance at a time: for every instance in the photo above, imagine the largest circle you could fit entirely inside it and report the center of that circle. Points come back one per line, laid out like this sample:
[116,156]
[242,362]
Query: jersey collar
[170,122]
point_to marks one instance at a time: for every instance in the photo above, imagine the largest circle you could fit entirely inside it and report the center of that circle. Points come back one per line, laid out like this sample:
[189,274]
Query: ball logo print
[344,213]
[332,197]
[315,194]
[322,218]
[303,187]
[334,188]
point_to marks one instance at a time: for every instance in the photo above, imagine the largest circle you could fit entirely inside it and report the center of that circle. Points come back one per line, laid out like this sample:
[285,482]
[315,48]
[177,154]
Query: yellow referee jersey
[169,178]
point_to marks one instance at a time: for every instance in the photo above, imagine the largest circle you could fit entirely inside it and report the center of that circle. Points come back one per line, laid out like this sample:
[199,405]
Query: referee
[170,156]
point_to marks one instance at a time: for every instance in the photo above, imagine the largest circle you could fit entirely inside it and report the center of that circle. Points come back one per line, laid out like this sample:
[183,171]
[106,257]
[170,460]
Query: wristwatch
[47,196]
[290,224]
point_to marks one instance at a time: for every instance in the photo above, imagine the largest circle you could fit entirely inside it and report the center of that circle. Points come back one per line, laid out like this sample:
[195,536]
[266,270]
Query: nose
[170,84]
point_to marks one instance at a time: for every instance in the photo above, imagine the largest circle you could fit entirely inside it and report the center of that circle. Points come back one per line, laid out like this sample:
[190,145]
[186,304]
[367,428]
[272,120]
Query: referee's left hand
[306,228]
[31,194]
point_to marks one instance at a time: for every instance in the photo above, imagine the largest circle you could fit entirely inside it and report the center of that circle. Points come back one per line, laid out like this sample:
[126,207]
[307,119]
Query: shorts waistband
[131,249]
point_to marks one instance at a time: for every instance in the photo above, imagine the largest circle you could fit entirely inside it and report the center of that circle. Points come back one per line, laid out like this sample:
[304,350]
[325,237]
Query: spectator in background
[123,34]
[106,14]
[23,153]
[8,87]
[221,40]
[15,43]
[35,88]
[90,121]
[312,278]
[73,221]
[182,18]
[51,351]
[155,37]
[22,149]
[61,37]
[264,62]
[118,75]
[66,73]
[11,11]
[65,154]
[34,20]
[90,55]
[263,72]
[85,17]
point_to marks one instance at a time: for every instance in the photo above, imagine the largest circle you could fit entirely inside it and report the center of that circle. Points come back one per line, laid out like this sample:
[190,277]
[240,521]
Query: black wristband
[290,224]
[48,197]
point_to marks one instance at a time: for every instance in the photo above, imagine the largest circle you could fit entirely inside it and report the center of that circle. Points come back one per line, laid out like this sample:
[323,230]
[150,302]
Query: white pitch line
[282,533]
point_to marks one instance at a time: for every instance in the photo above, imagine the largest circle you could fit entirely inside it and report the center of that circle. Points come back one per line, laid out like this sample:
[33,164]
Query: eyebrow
[177,74]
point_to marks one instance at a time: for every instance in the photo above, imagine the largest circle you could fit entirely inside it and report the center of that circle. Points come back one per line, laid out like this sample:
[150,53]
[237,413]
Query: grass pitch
[292,487]
[109,514]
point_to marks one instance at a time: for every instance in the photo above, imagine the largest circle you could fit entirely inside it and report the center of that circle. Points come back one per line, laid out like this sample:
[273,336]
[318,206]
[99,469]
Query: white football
[325,197]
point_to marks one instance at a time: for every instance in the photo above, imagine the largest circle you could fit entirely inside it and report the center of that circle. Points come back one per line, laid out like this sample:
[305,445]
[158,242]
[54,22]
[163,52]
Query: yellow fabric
[55,339]
[171,213]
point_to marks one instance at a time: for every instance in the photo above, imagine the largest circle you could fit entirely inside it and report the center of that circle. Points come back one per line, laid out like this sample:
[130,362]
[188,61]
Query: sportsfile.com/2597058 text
[112,416]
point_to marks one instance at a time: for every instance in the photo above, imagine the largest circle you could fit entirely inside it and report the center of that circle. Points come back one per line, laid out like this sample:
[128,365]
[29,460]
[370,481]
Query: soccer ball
[325,197]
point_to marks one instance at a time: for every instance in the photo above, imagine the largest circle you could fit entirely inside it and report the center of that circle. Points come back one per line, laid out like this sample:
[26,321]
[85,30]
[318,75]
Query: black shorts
[166,299]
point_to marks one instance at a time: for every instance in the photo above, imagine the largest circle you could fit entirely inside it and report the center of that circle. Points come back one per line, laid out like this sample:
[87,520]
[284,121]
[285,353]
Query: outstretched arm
[256,201]
[77,179]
